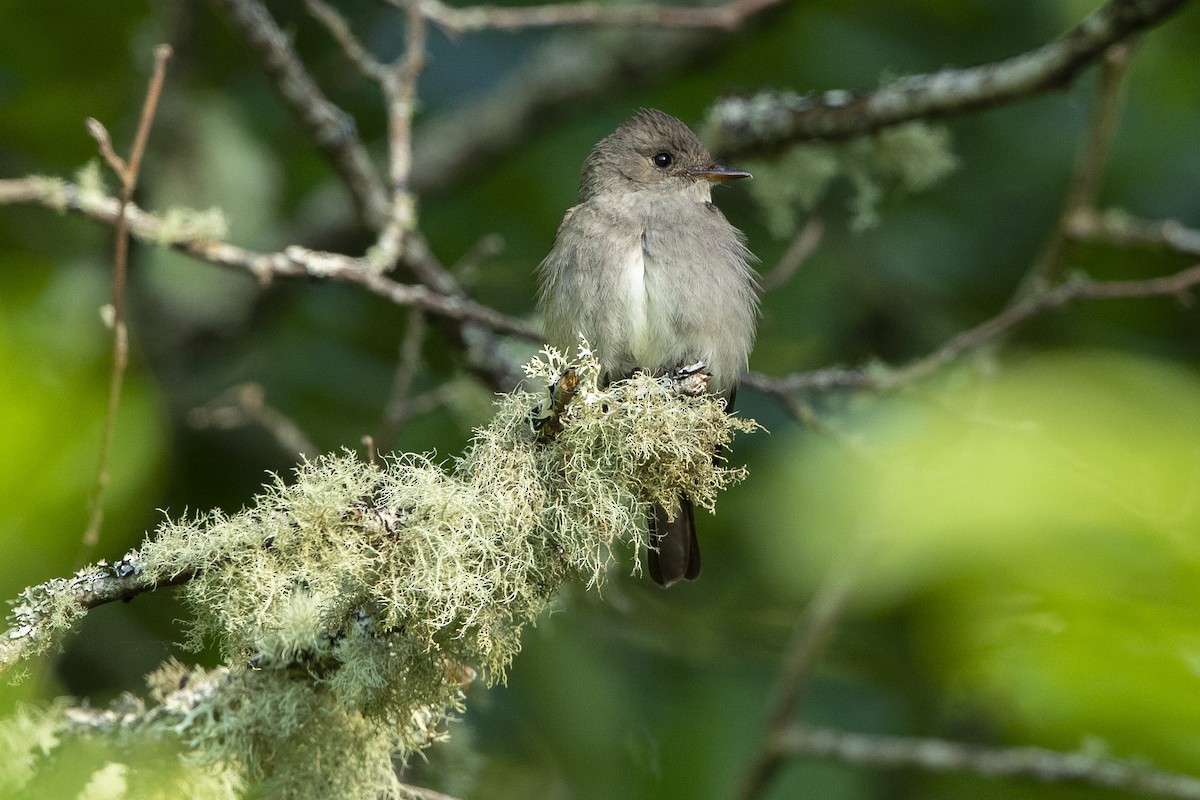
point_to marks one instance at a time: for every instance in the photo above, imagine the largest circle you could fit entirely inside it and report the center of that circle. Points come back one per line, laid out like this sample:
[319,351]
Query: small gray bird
[647,269]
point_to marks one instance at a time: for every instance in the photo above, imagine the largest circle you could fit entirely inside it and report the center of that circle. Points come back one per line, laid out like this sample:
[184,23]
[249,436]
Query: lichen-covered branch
[43,614]
[768,121]
[352,605]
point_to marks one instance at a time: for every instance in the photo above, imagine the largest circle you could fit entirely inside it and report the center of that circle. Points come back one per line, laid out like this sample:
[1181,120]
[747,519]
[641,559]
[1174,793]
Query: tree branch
[49,607]
[939,755]
[884,378]
[456,21]
[1118,228]
[771,120]
[246,404]
[399,408]
[1089,166]
[400,92]
[294,261]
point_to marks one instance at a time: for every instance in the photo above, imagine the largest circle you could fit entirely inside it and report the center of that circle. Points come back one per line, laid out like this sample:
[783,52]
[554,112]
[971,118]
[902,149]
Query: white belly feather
[633,285]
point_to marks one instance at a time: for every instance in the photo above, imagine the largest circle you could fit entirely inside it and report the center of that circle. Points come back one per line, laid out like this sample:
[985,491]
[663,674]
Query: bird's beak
[718,173]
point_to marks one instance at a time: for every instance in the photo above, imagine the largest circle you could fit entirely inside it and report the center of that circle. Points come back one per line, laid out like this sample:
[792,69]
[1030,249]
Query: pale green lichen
[353,604]
[182,225]
[90,178]
[911,157]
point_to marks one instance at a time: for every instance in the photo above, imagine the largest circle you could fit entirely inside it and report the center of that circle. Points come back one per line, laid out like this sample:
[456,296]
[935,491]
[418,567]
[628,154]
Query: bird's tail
[674,553]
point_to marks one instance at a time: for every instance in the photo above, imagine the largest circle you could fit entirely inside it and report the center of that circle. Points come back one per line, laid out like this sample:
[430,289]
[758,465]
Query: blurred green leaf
[1045,523]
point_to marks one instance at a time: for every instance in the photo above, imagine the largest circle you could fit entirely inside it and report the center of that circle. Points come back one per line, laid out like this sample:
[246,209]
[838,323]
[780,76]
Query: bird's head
[652,151]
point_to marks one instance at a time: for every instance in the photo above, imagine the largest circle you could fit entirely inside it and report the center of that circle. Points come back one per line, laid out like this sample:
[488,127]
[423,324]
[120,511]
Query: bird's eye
[662,160]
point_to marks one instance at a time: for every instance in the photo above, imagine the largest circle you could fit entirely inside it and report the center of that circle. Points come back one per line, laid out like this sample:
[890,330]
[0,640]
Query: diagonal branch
[770,120]
[883,378]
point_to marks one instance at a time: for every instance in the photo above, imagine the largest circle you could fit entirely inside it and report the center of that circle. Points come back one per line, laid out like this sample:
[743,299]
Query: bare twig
[1177,285]
[938,755]
[398,408]
[808,642]
[883,378]
[455,21]
[770,120]
[294,261]
[330,128]
[399,239]
[339,29]
[1122,230]
[399,85]
[802,246]
[127,172]
[1089,167]
[245,404]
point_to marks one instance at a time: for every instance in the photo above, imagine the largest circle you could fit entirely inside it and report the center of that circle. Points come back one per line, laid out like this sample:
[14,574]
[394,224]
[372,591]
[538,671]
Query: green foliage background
[1027,522]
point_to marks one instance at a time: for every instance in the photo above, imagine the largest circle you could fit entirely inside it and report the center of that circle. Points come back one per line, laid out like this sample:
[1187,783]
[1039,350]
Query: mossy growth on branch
[353,604]
[910,158]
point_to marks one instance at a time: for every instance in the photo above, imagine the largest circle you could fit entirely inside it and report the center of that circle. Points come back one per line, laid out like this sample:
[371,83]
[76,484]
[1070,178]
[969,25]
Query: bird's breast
[632,288]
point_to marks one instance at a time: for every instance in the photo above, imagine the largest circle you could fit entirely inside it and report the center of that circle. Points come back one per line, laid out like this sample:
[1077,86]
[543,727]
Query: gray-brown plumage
[651,273]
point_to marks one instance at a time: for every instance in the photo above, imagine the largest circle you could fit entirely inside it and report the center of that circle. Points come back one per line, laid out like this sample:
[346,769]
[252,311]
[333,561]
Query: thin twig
[939,755]
[398,408]
[455,21]
[399,83]
[246,404]
[802,246]
[399,239]
[808,643]
[881,377]
[770,120]
[294,261]
[1122,230]
[339,29]
[1089,166]
[127,172]
[1176,285]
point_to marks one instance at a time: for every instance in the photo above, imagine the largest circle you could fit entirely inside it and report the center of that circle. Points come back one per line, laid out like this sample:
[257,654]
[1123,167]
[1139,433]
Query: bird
[650,273]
